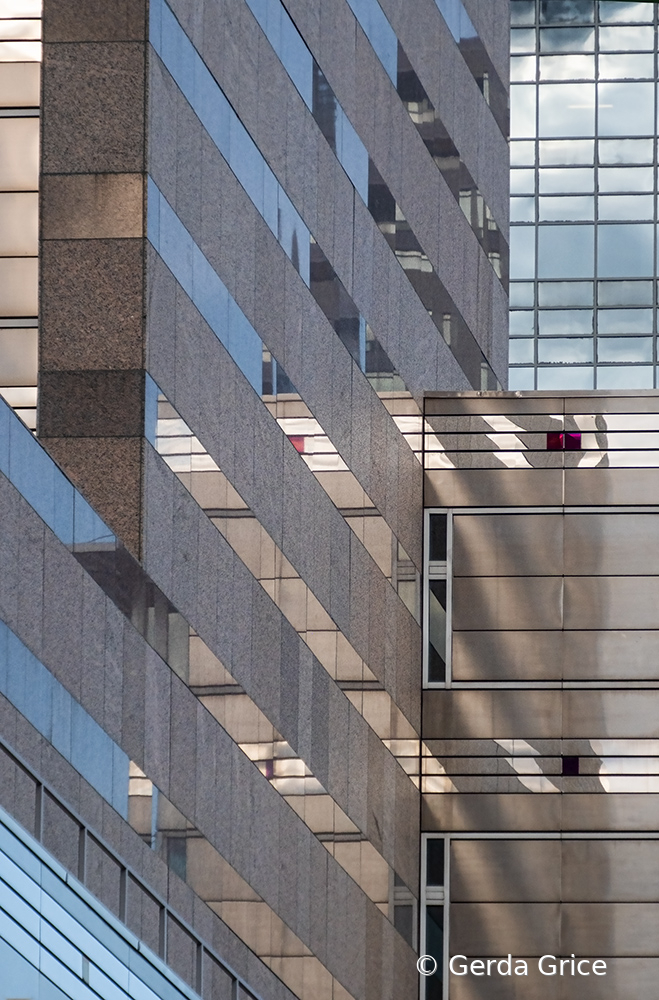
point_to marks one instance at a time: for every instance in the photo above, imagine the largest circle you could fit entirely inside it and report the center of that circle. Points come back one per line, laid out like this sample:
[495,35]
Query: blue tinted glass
[565,251]
[150,410]
[352,154]
[246,162]
[522,252]
[625,251]
[297,59]
[379,32]
[88,528]
[212,108]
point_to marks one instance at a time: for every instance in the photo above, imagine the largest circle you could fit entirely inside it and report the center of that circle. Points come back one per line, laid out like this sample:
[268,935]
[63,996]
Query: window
[434,922]
[437,599]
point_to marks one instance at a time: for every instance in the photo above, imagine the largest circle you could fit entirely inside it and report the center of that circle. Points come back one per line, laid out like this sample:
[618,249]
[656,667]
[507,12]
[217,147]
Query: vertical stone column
[93,155]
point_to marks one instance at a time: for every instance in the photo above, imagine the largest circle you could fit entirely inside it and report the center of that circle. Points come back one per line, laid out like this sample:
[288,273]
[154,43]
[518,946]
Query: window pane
[522,210]
[19,154]
[620,377]
[568,109]
[627,39]
[18,286]
[565,350]
[558,181]
[567,67]
[566,209]
[521,352]
[620,206]
[572,322]
[567,39]
[522,40]
[565,293]
[625,250]
[435,862]
[522,68]
[19,85]
[522,252]
[565,378]
[521,379]
[566,151]
[624,293]
[522,110]
[626,108]
[626,150]
[624,321]
[624,349]
[565,251]
[522,154]
[522,181]
[19,233]
[522,12]
[625,178]
[18,356]
[574,11]
[521,324]
[521,294]
[625,10]
[437,541]
[631,67]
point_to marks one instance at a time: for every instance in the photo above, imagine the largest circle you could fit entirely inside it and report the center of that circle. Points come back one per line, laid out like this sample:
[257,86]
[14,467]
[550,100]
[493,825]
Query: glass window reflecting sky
[583,194]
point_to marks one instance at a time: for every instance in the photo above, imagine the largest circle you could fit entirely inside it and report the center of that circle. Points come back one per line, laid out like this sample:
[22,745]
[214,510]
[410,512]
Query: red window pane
[573,441]
[554,441]
[297,440]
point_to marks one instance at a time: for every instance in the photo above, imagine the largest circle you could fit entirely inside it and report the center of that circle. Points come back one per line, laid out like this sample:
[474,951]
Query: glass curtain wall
[584,190]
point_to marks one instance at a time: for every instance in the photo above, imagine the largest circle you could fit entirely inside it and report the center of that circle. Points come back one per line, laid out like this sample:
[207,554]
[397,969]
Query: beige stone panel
[92,206]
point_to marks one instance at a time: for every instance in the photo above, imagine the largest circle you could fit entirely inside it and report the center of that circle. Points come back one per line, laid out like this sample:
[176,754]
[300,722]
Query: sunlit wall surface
[583,207]
[20,66]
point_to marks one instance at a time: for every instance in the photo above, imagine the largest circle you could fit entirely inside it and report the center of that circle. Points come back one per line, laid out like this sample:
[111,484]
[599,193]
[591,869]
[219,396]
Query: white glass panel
[577,180]
[624,349]
[522,40]
[18,356]
[622,377]
[627,39]
[521,295]
[567,209]
[625,251]
[625,10]
[621,206]
[567,67]
[569,322]
[567,39]
[522,252]
[20,29]
[558,377]
[626,151]
[521,379]
[564,350]
[521,352]
[567,151]
[622,66]
[567,109]
[522,68]
[20,51]
[20,8]
[522,154]
[522,210]
[624,293]
[521,324]
[18,286]
[19,85]
[565,293]
[565,251]
[625,179]
[522,110]
[624,321]
[522,181]
[19,232]
[19,154]
[626,108]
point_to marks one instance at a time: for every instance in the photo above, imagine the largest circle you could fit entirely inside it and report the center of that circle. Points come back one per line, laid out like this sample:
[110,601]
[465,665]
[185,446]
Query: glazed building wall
[539,787]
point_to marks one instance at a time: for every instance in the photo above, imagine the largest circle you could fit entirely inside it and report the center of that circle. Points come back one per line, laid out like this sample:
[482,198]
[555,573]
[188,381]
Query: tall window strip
[20,71]
[437,599]
[430,127]
[435,916]
[584,195]
[353,156]
[477,59]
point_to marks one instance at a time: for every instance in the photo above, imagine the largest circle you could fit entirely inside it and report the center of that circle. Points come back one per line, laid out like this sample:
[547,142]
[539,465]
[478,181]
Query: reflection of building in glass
[266,229]
[583,210]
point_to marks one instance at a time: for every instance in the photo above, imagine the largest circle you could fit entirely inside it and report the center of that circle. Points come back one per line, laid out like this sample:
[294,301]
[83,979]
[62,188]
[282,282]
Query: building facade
[583,209]
[266,229]
[539,775]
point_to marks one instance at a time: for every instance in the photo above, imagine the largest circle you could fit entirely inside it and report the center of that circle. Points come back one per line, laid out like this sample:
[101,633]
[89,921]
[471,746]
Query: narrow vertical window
[437,596]
[435,922]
